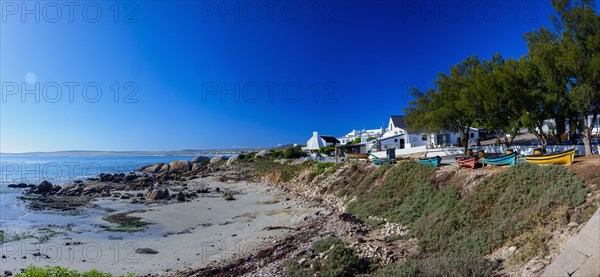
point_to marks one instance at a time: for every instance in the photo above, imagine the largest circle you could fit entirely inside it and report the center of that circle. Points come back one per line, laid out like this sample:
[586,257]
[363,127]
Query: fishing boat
[382,161]
[435,161]
[509,159]
[556,158]
[467,162]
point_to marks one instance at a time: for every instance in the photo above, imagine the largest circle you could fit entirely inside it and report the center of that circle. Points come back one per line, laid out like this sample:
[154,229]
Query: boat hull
[504,160]
[435,161]
[558,158]
[467,162]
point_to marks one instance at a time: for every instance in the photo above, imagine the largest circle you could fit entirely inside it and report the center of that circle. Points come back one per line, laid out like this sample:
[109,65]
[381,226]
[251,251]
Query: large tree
[450,107]
[579,29]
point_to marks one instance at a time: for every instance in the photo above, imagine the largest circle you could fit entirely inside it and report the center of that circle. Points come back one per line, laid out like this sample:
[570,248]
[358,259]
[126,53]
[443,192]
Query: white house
[317,142]
[397,136]
[364,134]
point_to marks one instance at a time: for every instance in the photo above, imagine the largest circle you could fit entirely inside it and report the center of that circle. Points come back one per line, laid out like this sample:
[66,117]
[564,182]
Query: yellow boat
[556,158]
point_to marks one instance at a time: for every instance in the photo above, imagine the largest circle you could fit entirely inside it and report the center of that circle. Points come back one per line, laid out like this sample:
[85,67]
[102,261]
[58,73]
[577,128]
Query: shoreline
[186,234]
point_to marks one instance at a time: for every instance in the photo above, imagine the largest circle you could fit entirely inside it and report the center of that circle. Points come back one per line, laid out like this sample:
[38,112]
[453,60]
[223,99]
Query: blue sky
[213,74]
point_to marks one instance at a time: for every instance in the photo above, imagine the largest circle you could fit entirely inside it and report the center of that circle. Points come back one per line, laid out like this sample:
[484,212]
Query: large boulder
[152,168]
[180,196]
[44,187]
[164,168]
[156,194]
[180,166]
[231,160]
[262,153]
[200,159]
[217,159]
[197,166]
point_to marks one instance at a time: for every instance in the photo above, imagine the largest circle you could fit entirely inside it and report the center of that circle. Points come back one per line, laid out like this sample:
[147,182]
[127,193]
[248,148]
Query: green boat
[435,161]
[509,159]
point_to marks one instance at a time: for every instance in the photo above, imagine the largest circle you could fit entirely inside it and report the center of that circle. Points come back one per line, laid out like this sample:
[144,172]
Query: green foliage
[125,222]
[287,171]
[499,209]
[354,141]
[57,271]
[442,266]
[293,153]
[340,260]
[328,150]
[326,243]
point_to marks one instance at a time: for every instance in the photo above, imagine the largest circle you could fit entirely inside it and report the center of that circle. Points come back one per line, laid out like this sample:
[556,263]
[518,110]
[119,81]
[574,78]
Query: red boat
[467,162]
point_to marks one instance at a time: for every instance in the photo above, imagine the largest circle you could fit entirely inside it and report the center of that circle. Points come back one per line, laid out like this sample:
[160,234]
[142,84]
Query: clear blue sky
[182,57]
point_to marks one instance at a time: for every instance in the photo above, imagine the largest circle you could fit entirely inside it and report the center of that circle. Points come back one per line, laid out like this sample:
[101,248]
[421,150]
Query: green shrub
[293,153]
[442,266]
[340,260]
[503,207]
[326,243]
[328,150]
[57,271]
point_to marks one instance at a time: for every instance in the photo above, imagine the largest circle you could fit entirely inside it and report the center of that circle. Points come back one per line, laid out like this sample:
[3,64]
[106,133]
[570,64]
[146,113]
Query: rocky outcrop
[262,153]
[152,168]
[200,159]
[43,187]
[180,166]
[231,160]
[217,159]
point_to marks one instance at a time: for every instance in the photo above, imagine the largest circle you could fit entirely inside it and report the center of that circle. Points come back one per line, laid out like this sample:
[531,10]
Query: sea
[15,169]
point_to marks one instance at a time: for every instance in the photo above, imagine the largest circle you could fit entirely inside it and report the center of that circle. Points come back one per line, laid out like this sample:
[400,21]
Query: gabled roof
[330,139]
[398,121]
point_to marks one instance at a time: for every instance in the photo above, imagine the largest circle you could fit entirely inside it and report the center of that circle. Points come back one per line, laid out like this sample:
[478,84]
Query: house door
[401,143]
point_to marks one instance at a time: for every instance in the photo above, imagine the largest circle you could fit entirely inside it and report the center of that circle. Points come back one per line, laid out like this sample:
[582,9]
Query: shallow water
[14,169]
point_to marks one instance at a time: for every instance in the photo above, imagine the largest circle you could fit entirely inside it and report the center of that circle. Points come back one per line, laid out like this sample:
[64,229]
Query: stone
[180,166]
[164,168]
[180,196]
[228,196]
[89,190]
[200,159]
[262,153]
[155,194]
[152,168]
[146,251]
[231,160]
[217,159]
[44,186]
[197,166]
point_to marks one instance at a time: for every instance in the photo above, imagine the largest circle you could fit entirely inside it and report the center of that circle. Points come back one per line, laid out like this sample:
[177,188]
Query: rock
[231,160]
[44,186]
[200,159]
[180,196]
[217,189]
[262,153]
[153,168]
[146,251]
[512,249]
[180,166]
[164,168]
[228,196]
[126,196]
[89,190]
[130,177]
[197,166]
[157,194]
[139,194]
[217,159]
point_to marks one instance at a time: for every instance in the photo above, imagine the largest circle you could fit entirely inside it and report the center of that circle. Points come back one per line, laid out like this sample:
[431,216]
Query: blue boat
[435,161]
[509,159]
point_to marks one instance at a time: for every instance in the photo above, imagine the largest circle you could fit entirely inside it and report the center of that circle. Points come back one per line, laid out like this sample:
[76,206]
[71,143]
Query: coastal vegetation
[57,271]
[558,79]
[125,222]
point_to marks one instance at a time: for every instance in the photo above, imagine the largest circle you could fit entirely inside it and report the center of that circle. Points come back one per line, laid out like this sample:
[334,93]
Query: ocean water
[58,170]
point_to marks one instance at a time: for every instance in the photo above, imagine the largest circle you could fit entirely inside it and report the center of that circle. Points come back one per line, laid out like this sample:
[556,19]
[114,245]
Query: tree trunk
[586,133]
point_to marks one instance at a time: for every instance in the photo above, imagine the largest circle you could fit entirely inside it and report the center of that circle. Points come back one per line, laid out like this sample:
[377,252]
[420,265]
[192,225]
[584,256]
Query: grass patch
[125,222]
[286,172]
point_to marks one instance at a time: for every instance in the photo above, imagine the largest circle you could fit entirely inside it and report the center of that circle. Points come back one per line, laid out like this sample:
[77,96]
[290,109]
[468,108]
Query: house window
[472,135]
[395,140]
[424,137]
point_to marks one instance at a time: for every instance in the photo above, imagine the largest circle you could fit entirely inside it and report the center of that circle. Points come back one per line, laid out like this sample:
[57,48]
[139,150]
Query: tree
[451,106]
[579,62]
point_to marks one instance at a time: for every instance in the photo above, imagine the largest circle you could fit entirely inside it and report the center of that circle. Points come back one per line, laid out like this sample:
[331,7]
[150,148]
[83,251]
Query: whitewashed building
[317,142]
[397,136]
[363,134]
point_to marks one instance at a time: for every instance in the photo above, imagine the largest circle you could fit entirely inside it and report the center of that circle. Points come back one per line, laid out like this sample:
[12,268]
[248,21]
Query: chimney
[315,134]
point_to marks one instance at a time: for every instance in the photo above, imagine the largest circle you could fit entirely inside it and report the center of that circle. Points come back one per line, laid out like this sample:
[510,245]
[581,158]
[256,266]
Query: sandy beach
[182,235]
